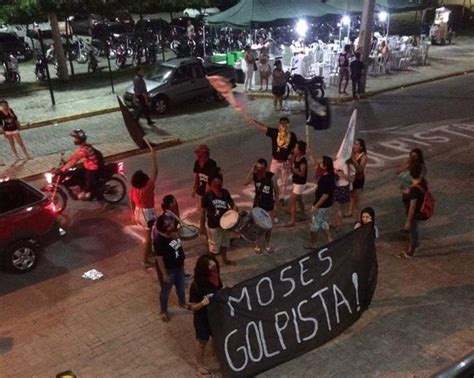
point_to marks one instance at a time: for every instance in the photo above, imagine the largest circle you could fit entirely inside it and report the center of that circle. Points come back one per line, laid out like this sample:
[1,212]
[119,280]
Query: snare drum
[255,224]
[188,232]
[230,220]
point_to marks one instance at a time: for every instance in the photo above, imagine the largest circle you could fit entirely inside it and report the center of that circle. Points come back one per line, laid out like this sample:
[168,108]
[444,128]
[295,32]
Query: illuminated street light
[383,16]
[302,28]
[346,20]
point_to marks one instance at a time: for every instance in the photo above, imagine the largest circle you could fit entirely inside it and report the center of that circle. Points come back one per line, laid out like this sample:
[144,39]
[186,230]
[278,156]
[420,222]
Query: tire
[114,190]
[318,93]
[22,256]
[60,199]
[161,105]
[82,58]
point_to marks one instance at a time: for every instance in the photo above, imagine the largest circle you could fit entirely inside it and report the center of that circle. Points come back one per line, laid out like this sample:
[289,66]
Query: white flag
[345,151]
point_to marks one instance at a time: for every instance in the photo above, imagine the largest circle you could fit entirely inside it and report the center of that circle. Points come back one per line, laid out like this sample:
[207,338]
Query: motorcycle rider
[11,67]
[92,160]
[40,67]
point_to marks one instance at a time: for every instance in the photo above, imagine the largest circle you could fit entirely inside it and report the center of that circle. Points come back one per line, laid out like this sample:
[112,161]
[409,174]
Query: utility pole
[365,36]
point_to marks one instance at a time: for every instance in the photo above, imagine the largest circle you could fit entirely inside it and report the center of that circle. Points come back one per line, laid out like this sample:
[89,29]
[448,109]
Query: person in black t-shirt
[283,143]
[207,282]
[323,201]
[170,261]
[357,70]
[416,196]
[215,203]
[266,195]
[343,63]
[299,169]
[204,166]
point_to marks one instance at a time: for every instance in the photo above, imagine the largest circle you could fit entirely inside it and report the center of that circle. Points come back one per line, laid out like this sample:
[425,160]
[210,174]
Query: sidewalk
[108,133]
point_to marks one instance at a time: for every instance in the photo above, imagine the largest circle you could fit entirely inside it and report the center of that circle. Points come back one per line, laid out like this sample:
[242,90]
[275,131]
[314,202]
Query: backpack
[427,206]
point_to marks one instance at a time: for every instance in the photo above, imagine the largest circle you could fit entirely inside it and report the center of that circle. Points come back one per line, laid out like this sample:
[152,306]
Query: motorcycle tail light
[120,168]
[49,177]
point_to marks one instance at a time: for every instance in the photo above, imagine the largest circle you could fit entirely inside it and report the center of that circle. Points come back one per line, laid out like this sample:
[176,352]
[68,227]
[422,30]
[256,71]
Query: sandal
[403,256]
[269,250]
[258,251]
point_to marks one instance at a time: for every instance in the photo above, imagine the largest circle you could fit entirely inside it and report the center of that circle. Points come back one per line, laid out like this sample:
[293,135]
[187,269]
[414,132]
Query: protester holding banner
[215,203]
[283,143]
[299,170]
[142,202]
[323,200]
[266,196]
[204,166]
[170,255]
[207,281]
[359,161]
[367,216]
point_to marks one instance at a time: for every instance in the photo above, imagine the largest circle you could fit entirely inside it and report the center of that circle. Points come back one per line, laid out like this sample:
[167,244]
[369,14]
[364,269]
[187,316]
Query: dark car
[85,24]
[28,222]
[11,44]
[157,25]
[460,17]
[123,17]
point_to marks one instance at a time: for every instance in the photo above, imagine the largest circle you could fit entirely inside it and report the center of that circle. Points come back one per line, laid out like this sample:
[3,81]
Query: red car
[28,221]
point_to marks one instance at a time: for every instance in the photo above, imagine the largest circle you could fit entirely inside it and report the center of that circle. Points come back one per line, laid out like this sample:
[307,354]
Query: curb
[122,155]
[332,100]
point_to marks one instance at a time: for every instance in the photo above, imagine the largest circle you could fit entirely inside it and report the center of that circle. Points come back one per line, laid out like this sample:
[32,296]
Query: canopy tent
[249,13]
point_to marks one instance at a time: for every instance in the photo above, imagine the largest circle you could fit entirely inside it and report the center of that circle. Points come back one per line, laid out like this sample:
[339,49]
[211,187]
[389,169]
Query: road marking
[135,231]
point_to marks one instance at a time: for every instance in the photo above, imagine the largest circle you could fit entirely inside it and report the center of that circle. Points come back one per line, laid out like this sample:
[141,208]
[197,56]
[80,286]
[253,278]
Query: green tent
[249,13]
[392,6]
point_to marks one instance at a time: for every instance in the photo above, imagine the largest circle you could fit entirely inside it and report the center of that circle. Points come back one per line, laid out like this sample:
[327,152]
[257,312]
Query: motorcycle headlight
[49,177]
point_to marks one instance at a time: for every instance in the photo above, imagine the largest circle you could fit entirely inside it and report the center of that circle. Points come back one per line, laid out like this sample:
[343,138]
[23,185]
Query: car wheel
[21,256]
[161,104]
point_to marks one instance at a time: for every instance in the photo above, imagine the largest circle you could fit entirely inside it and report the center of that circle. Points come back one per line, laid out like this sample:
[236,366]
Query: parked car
[28,222]
[180,24]
[85,24]
[32,39]
[123,17]
[11,44]
[179,80]
[193,12]
[157,25]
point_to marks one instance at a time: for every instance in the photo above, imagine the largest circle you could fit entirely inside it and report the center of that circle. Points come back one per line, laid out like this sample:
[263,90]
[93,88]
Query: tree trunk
[58,47]
[365,36]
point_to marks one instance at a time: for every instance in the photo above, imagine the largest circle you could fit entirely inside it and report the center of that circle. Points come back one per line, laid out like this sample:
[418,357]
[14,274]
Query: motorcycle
[121,57]
[64,185]
[298,84]
[11,69]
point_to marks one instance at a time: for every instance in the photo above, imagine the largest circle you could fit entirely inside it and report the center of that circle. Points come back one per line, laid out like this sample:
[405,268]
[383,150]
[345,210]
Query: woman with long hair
[207,282]
[359,161]
[11,129]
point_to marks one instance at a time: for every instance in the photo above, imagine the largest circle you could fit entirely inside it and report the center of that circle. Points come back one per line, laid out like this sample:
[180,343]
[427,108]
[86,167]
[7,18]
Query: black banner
[133,127]
[292,309]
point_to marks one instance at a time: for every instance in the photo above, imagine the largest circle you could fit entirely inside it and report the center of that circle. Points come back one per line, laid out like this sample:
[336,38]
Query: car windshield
[160,73]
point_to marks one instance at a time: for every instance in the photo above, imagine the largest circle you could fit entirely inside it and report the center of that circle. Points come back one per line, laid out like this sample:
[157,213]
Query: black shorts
[278,90]
[358,183]
[202,328]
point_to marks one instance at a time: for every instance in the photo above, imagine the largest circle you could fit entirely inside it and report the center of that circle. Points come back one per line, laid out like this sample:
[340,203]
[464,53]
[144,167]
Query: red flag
[224,87]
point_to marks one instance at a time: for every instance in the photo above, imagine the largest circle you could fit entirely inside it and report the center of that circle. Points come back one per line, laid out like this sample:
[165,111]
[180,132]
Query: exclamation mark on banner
[355,281]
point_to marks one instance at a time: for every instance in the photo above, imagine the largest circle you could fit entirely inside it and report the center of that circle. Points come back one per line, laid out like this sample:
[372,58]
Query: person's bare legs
[328,235]
[12,145]
[280,101]
[355,203]
[292,209]
[302,207]
[199,355]
[275,100]
[19,140]
[147,248]
[313,239]
[345,86]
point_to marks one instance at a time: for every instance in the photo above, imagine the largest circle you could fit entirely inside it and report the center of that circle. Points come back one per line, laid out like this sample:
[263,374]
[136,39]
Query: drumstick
[148,143]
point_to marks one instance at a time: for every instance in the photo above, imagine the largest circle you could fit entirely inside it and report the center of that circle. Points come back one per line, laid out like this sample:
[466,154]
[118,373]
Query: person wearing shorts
[215,203]
[323,201]
[207,281]
[299,170]
[342,192]
[11,130]
[142,202]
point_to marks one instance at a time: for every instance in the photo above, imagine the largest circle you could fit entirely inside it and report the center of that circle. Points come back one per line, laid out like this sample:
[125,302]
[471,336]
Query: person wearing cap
[283,143]
[91,159]
[204,166]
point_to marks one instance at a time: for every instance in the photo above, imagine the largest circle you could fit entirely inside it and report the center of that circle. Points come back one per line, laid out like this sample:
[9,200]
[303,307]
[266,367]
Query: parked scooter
[121,57]
[40,68]
[93,62]
[61,186]
[10,66]
[298,84]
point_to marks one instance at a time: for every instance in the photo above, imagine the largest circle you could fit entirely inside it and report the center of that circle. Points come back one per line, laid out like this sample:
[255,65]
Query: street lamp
[346,21]
[384,17]
[302,28]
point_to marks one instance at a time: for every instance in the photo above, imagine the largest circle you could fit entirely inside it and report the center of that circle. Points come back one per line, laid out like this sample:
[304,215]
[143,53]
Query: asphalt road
[436,117]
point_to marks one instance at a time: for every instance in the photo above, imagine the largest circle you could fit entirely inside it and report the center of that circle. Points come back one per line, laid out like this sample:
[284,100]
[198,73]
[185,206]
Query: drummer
[266,195]
[170,255]
[203,167]
[215,202]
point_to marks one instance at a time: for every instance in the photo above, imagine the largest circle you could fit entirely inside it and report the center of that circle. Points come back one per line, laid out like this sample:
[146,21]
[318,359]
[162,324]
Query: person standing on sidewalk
[265,69]
[142,202]
[11,129]
[204,166]
[207,281]
[343,62]
[250,68]
[283,143]
[170,256]
[416,196]
[278,85]
[359,161]
[323,201]
[215,203]
[357,70]
[141,96]
[266,196]
[299,170]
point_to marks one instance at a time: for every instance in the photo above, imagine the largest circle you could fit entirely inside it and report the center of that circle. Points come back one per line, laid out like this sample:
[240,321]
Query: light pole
[43,51]
[365,36]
